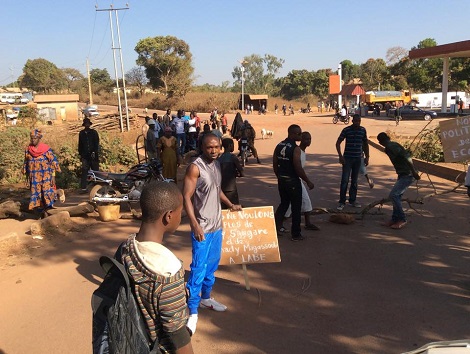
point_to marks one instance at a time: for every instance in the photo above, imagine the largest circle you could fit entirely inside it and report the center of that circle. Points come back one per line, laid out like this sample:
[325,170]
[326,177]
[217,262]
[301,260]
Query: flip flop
[311,227]
[398,225]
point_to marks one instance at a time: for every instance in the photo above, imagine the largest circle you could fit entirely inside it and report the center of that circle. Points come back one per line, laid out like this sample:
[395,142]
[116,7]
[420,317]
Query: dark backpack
[118,324]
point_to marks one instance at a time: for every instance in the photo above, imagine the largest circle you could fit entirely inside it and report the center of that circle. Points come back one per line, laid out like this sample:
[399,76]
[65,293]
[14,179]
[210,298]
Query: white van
[8,97]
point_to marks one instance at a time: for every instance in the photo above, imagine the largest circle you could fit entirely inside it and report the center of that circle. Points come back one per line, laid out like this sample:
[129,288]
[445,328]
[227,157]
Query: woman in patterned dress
[40,166]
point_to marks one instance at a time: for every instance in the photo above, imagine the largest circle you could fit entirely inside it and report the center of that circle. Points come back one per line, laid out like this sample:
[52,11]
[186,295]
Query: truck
[434,99]
[395,98]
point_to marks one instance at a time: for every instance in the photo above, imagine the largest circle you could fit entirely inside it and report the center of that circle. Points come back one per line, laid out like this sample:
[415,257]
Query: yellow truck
[395,98]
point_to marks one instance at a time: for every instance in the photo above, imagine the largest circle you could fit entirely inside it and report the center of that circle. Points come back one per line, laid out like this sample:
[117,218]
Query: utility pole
[340,73]
[110,11]
[90,94]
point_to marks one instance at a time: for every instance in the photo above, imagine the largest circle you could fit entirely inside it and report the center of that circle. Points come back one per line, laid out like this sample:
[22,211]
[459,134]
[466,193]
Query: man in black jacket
[88,146]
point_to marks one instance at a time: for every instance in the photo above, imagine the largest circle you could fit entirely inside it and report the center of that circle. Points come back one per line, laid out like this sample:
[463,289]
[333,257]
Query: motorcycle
[338,118]
[245,151]
[123,187]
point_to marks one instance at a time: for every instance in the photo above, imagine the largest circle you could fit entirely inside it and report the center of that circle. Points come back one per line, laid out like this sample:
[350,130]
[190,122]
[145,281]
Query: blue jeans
[181,143]
[351,168]
[401,185]
[206,257]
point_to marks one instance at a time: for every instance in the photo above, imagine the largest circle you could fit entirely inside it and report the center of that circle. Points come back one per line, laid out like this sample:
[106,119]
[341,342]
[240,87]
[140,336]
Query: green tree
[260,73]
[168,64]
[425,75]
[42,76]
[136,77]
[459,74]
[349,71]
[374,74]
[101,80]
[321,83]
[74,79]
[297,83]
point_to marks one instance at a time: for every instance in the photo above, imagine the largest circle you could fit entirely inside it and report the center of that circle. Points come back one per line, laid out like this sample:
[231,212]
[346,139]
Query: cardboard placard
[249,236]
[455,138]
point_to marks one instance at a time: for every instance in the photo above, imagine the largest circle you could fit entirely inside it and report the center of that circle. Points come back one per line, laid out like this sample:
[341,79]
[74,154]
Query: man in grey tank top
[202,195]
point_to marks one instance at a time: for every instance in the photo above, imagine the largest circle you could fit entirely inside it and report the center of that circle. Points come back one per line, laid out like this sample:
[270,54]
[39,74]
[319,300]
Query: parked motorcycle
[338,118]
[245,151]
[123,187]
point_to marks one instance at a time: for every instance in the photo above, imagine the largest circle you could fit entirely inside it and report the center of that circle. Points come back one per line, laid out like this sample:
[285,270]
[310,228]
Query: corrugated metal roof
[56,98]
[258,97]
[352,90]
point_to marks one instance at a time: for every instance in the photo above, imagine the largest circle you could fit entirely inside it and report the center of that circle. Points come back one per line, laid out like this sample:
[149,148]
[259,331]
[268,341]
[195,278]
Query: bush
[426,146]
[113,153]
[13,141]
[70,165]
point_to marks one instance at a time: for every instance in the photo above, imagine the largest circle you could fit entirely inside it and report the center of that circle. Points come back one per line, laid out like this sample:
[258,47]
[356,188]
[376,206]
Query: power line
[111,10]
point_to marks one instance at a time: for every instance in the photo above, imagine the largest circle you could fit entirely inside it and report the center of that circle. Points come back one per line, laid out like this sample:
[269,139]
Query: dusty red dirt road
[358,288]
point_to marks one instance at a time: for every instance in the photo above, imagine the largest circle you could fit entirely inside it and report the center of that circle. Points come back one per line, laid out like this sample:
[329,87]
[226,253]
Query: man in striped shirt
[356,145]
[157,274]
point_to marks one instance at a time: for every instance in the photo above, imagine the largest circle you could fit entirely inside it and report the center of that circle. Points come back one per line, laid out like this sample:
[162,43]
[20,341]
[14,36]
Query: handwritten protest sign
[455,138]
[249,236]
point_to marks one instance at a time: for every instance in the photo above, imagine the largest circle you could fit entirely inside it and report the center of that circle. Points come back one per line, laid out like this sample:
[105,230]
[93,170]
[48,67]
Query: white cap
[151,121]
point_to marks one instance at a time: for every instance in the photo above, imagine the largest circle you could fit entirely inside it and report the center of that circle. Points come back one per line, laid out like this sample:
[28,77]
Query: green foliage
[42,76]
[28,117]
[426,146]
[13,141]
[70,166]
[101,80]
[136,77]
[74,79]
[260,73]
[374,74]
[168,64]
[114,153]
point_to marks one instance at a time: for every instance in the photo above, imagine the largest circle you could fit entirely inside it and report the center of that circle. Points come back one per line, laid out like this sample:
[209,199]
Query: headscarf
[36,133]
[237,126]
[40,148]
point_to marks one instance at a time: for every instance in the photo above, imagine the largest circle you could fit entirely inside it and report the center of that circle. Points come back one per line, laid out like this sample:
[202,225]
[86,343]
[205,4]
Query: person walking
[156,274]
[231,169]
[406,172]
[202,195]
[40,167]
[306,207]
[356,145]
[88,147]
[288,169]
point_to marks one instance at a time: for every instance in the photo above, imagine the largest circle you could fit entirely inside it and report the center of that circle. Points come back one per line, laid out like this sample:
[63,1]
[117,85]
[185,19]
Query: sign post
[249,236]
[455,138]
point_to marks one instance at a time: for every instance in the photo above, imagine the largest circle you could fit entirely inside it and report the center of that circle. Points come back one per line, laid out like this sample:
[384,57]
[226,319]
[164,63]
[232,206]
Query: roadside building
[58,108]
[256,100]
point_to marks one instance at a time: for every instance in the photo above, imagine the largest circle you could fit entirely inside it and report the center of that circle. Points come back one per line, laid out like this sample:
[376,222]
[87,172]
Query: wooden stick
[247,280]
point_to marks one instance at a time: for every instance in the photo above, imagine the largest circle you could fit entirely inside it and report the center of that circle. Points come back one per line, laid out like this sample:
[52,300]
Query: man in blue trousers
[202,195]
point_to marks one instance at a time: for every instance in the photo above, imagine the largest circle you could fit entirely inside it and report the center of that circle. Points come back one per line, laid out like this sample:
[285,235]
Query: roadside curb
[447,173]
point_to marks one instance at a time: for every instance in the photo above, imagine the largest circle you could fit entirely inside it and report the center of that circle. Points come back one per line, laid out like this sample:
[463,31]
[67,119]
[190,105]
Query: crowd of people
[209,186]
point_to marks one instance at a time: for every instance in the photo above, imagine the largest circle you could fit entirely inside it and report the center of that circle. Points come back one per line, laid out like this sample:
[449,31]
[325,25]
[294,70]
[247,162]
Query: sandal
[311,227]
[398,225]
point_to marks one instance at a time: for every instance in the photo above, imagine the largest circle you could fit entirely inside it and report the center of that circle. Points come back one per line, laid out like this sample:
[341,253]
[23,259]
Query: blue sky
[307,34]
